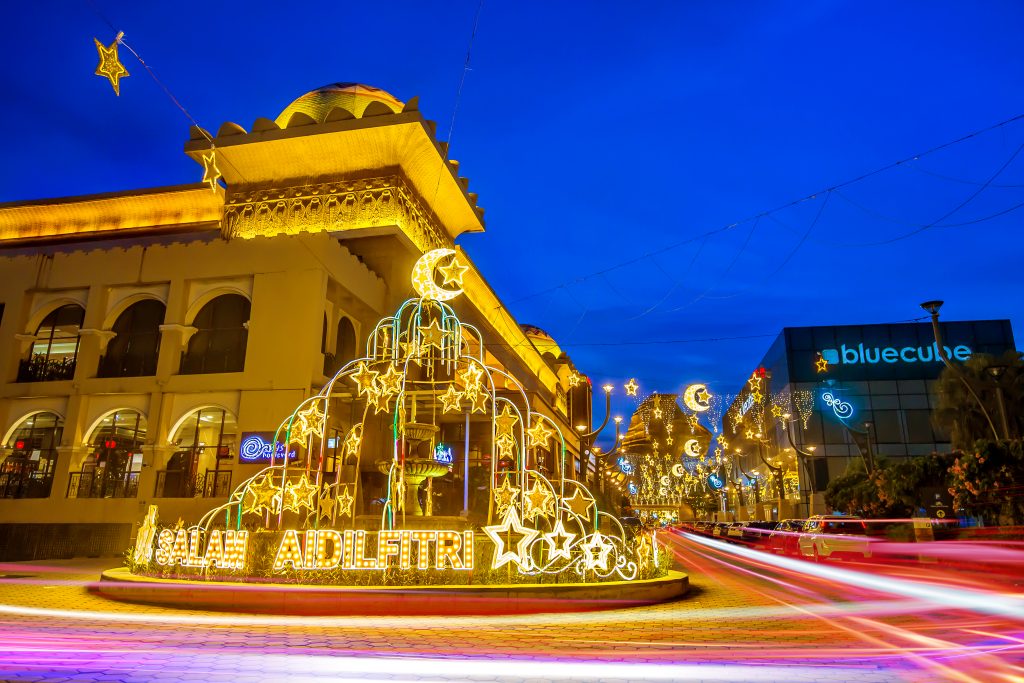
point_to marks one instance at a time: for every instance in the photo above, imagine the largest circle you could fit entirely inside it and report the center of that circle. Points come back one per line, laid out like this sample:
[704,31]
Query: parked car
[834,537]
[757,533]
[784,539]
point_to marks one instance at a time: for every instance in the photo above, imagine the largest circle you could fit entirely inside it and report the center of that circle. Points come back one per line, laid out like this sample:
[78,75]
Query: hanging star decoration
[756,395]
[431,335]
[821,364]
[539,434]
[776,411]
[144,538]
[110,66]
[579,503]
[644,552]
[754,381]
[505,496]
[657,413]
[722,441]
[540,502]
[391,381]
[451,400]
[559,541]
[477,399]
[453,272]
[668,440]
[263,495]
[307,422]
[354,438]
[326,505]
[381,402]
[500,535]
[411,349]
[631,387]
[366,379]
[505,445]
[574,379]
[345,502]
[210,171]
[300,495]
[596,551]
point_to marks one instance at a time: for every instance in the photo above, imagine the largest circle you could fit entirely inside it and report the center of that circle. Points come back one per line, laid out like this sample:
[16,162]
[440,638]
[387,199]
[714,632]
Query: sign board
[256,447]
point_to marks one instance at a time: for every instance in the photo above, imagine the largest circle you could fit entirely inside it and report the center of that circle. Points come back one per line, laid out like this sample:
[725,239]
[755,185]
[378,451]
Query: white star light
[498,533]
[556,548]
[595,552]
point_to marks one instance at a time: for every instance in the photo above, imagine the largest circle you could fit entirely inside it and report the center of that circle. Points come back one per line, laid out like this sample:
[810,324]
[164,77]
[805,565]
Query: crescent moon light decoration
[697,398]
[677,469]
[423,275]
[692,448]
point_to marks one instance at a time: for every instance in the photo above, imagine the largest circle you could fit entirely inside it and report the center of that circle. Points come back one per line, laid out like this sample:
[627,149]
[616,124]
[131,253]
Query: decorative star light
[451,400]
[575,378]
[644,551]
[326,505]
[668,440]
[749,434]
[110,66]
[366,379]
[391,381]
[471,376]
[354,438]
[381,403]
[559,540]
[505,444]
[702,395]
[505,496]
[500,532]
[345,502]
[431,335]
[821,364]
[579,503]
[210,171]
[539,434]
[596,551]
[631,387]
[453,272]
[309,421]
[505,421]
[301,495]
[540,502]
[721,441]
[411,350]
[144,539]
[263,495]
[657,413]
[756,395]
[478,400]
[718,452]
[776,411]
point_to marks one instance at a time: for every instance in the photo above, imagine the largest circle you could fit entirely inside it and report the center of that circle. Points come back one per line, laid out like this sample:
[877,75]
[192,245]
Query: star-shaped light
[657,413]
[110,66]
[505,421]
[326,504]
[344,503]
[631,387]
[702,395]
[756,395]
[453,272]
[307,422]
[380,402]
[754,381]
[721,441]
[505,496]
[718,452]
[749,434]
[776,411]
[821,364]
[539,502]
[365,379]
[505,444]
[575,378]
[644,552]
[539,434]
[579,503]
[412,350]
[471,376]
[301,495]
[478,400]
[210,171]
[391,381]
[668,440]
[558,540]
[451,400]
[596,551]
[431,335]
[354,438]
[500,532]
[263,496]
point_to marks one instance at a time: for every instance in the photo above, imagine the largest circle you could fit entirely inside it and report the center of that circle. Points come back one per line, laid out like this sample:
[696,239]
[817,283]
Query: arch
[206,297]
[51,305]
[201,438]
[124,304]
[28,469]
[54,352]
[134,351]
[113,463]
[345,341]
[323,335]
[17,423]
[221,339]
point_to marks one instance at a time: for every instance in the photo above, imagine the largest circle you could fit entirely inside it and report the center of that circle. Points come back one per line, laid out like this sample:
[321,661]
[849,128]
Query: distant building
[853,391]
[152,341]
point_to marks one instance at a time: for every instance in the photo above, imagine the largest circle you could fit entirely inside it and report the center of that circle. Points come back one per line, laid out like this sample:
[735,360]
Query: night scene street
[489,341]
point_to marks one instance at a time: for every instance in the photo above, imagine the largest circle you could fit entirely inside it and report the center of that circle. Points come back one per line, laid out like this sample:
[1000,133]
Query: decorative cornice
[333,207]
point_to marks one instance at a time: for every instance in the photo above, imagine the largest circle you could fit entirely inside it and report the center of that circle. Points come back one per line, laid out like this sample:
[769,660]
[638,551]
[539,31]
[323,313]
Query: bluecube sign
[853,355]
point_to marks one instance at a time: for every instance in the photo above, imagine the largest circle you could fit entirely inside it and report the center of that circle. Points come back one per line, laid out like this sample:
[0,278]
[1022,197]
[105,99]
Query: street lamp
[996,371]
[932,307]
[804,456]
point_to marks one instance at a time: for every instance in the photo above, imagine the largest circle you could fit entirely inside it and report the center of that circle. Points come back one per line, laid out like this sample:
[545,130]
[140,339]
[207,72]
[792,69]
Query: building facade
[152,341]
[845,393]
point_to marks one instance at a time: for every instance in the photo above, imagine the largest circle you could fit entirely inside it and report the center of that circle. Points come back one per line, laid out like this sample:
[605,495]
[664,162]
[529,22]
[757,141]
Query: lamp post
[804,456]
[996,372]
[585,435]
[933,309]
[757,485]
[776,472]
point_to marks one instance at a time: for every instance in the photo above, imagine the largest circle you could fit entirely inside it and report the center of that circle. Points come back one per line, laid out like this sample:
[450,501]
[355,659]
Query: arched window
[202,441]
[27,471]
[55,349]
[346,341]
[111,470]
[219,345]
[133,352]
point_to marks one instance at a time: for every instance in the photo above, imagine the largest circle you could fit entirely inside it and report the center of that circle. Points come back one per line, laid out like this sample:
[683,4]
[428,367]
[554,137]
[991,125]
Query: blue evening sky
[605,140]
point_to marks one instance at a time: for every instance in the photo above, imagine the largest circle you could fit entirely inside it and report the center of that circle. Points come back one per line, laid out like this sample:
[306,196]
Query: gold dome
[353,97]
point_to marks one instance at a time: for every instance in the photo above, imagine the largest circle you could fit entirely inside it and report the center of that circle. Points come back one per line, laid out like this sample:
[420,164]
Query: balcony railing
[179,484]
[41,369]
[25,484]
[94,484]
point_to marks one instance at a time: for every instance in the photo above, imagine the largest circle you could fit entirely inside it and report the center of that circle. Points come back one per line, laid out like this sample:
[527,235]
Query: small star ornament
[210,171]
[110,66]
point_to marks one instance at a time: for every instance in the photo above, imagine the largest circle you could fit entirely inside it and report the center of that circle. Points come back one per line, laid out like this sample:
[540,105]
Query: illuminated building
[153,340]
[851,392]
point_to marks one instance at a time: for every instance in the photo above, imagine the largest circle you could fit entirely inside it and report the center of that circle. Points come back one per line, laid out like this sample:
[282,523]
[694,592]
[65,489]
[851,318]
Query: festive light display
[110,66]
[821,365]
[804,401]
[631,387]
[210,171]
[696,398]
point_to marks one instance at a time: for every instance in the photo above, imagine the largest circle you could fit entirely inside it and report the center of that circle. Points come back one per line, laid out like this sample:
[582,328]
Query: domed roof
[543,341]
[353,97]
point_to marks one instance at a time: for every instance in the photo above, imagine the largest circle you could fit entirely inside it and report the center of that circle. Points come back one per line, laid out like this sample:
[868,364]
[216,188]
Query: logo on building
[859,355]
[258,447]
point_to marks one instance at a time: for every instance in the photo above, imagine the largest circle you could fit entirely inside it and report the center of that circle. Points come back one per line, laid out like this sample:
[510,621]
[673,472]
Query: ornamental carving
[333,207]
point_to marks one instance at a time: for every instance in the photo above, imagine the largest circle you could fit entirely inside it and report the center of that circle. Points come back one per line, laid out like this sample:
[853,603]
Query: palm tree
[958,413]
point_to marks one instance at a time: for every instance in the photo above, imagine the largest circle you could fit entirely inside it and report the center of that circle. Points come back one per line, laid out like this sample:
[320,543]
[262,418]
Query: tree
[900,483]
[856,492]
[958,414]
[988,481]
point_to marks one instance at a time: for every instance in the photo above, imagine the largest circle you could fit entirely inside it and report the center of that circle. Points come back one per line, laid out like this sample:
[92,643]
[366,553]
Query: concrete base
[271,598]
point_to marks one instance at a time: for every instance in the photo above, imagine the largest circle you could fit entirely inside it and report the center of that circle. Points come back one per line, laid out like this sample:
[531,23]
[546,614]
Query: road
[749,617]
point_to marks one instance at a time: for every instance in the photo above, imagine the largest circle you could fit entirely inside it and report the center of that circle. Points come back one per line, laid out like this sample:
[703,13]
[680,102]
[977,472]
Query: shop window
[133,352]
[219,344]
[27,471]
[111,470]
[55,349]
[203,442]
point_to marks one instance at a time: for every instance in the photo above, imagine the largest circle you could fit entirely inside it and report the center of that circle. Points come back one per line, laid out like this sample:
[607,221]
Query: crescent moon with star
[692,448]
[423,275]
[696,398]
[677,469]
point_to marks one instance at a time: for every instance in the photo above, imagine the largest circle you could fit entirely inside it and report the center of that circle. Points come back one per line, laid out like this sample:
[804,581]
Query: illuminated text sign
[850,355]
[259,446]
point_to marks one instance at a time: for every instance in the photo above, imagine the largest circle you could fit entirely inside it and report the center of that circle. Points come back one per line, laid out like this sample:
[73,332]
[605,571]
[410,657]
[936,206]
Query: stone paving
[733,626]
